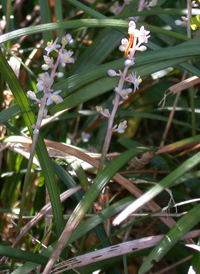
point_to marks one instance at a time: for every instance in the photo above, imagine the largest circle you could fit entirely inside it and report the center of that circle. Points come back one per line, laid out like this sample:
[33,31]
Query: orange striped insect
[130,43]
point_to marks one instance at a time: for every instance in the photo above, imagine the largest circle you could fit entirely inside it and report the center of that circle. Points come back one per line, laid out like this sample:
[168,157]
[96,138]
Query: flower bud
[111,73]
[122,48]
[129,63]
[45,67]
[60,74]
[180,23]
[121,127]
[142,48]
[31,95]
[36,131]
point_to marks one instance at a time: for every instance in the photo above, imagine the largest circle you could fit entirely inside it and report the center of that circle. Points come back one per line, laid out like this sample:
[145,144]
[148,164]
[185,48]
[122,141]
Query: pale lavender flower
[52,46]
[143,35]
[136,81]
[48,62]
[44,82]
[54,98]
[123,92]
[66,39]
[65,57]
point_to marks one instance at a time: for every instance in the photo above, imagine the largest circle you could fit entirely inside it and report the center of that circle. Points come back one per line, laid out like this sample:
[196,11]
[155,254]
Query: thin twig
[169,122]
[166,269]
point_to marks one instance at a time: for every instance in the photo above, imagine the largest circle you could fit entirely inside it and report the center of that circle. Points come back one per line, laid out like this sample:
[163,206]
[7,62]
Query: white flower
[136,81]
[52,46]
[121,127]
[124,44]
[129,46]
[54,98]
[44,82]
[105,112]
[132,29]
[123,92]
[65,57]
[48,61]
[143,35]
[66,39]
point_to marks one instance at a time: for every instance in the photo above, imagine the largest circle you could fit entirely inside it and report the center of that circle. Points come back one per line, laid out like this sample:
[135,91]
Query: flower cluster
[137,37]
[46,79]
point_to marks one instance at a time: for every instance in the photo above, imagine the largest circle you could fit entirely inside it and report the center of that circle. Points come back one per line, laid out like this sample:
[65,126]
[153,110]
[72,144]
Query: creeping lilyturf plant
[136,39]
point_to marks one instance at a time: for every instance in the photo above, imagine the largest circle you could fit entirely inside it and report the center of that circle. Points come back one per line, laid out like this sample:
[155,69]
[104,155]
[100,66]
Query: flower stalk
[44,83]
[136,39]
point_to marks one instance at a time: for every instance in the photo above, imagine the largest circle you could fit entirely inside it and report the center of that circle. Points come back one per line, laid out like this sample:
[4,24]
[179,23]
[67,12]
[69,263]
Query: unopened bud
[142,48]
[45,67]
[129,63]
[111,73]
[31,95]
[60,74]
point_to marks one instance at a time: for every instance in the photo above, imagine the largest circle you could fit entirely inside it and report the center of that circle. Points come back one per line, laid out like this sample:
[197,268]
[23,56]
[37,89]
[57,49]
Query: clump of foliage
[99,136]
